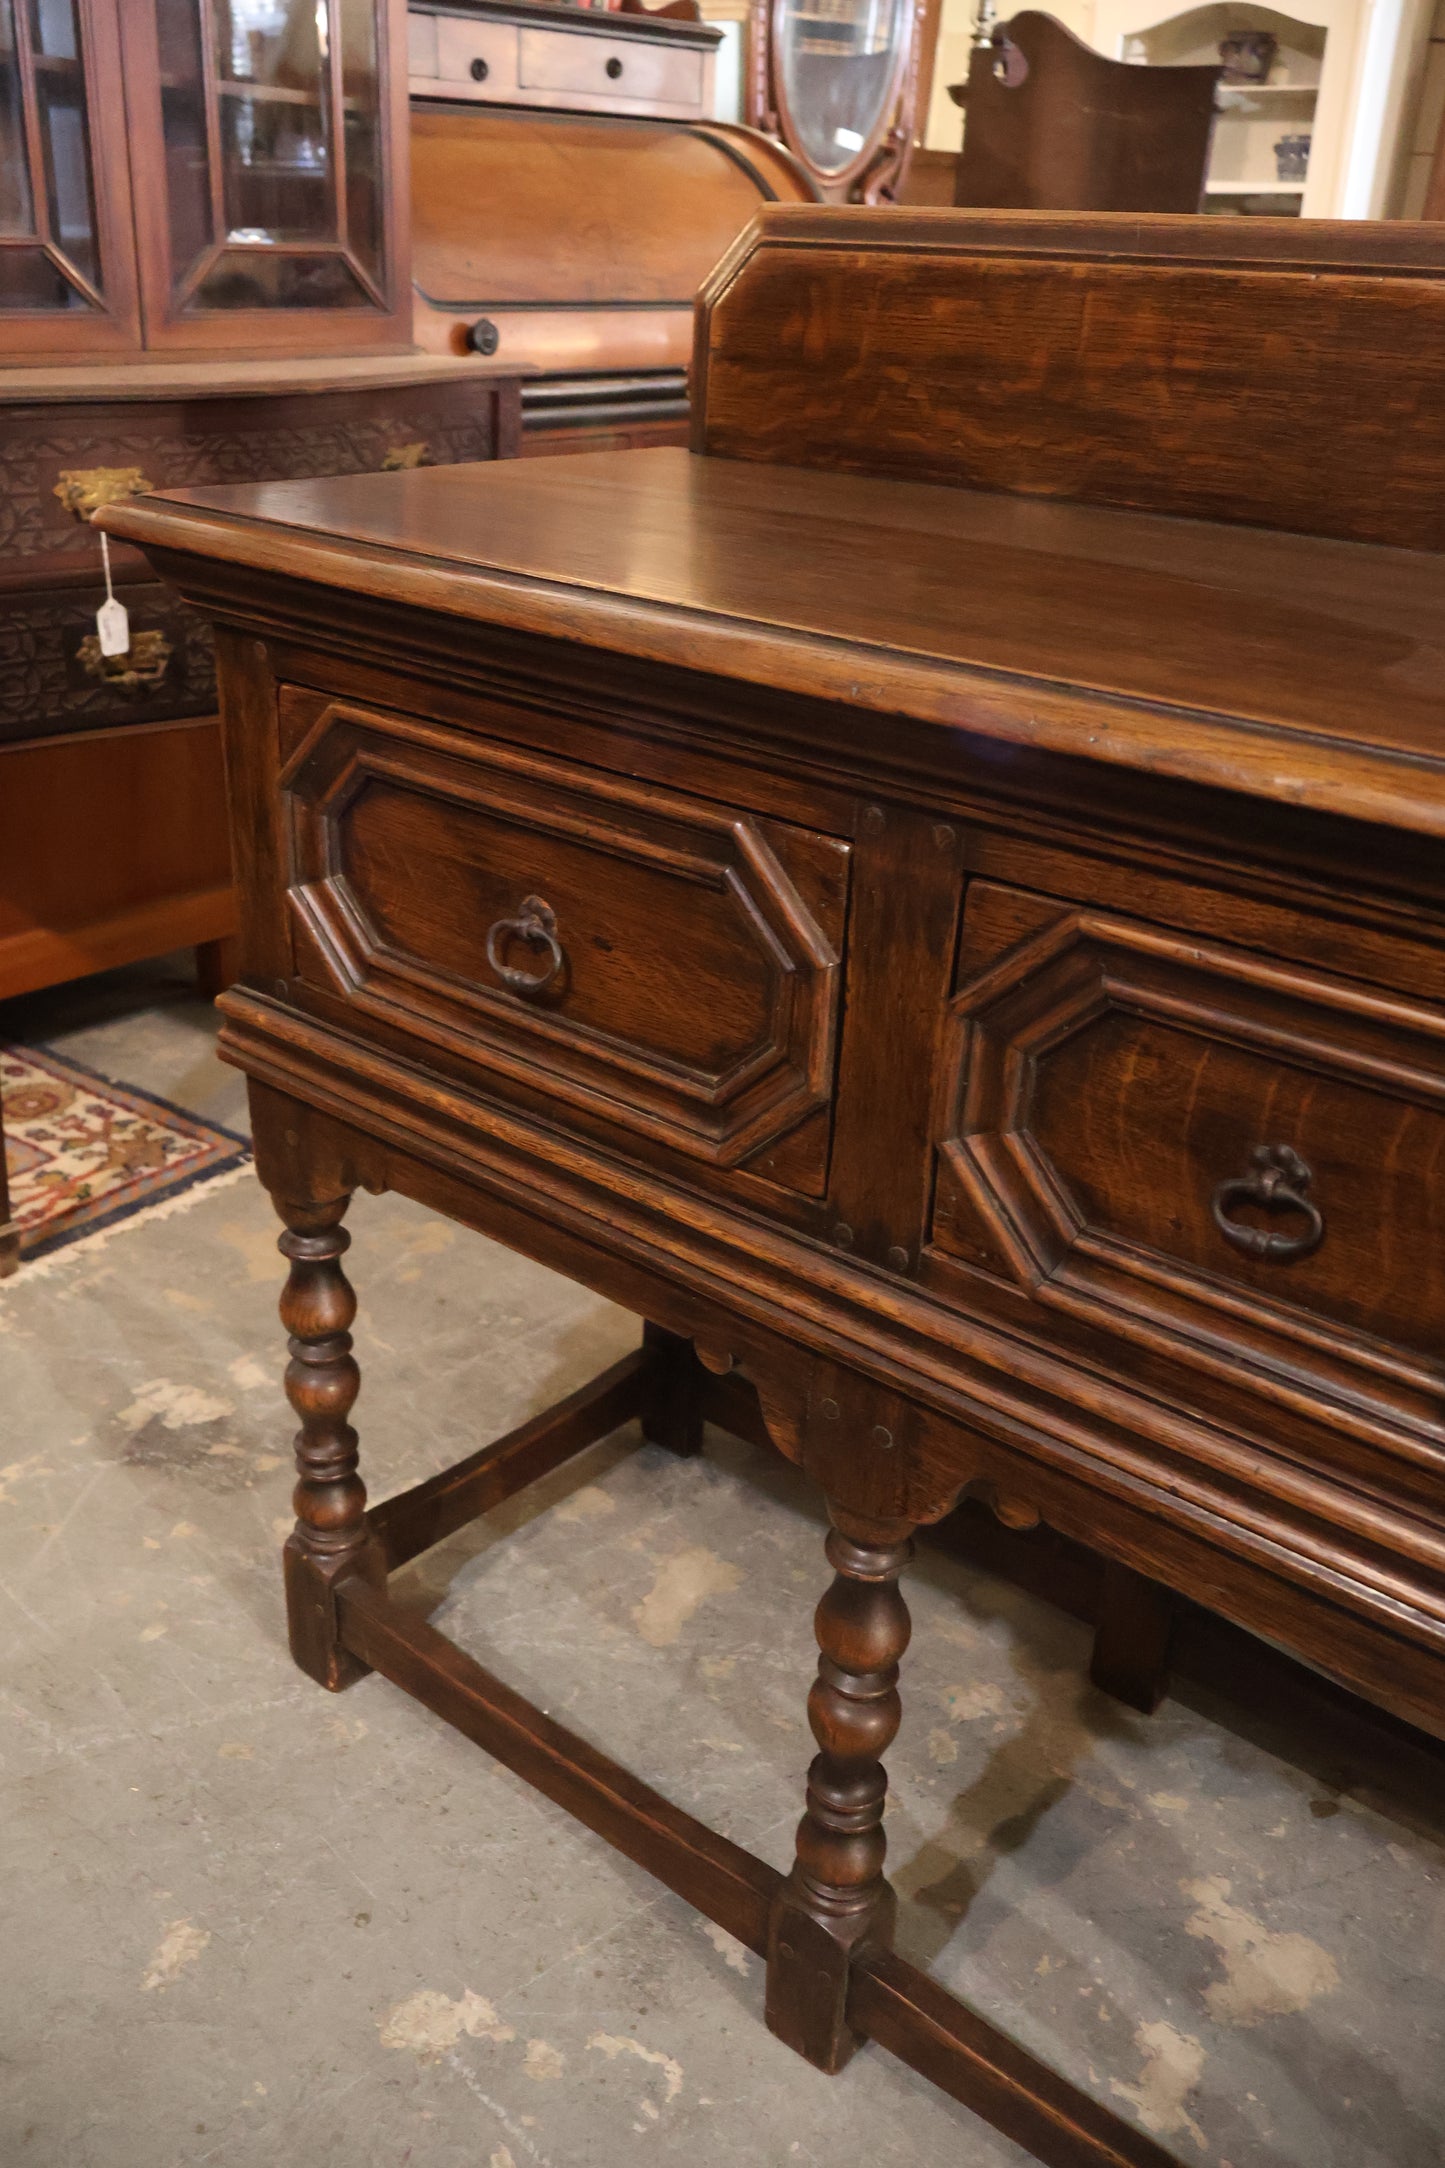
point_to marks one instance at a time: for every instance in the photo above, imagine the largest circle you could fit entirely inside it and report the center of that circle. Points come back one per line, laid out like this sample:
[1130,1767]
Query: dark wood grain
[836,1901]
[1129,361]
[1112,838]
[331,1539]
[1024,624]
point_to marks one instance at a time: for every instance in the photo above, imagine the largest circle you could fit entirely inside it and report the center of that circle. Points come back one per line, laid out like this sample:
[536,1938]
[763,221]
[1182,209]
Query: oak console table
[936,901]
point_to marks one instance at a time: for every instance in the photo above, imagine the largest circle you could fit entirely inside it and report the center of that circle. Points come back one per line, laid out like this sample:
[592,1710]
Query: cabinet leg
[1132,1635]
[217,964]
[673,1415]
[331,1539]
[836,1900]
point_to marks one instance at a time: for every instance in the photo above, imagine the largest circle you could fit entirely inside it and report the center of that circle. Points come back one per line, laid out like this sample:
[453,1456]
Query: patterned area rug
[83,1153]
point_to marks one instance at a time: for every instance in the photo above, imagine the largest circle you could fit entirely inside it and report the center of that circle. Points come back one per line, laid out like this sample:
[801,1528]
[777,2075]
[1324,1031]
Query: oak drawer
[596,67]
[1199,1146]
[665,965]
[472,51]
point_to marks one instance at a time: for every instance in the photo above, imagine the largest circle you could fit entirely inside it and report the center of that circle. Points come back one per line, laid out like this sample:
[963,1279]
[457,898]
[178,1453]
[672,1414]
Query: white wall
[944,127]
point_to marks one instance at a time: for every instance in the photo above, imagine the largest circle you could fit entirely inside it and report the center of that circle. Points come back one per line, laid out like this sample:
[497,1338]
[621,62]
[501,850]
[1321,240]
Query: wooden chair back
[1051,125]
[1285,373]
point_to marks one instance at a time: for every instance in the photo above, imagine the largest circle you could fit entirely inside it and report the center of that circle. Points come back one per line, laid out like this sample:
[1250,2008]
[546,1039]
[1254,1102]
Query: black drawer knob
[614,67]
[483,336]
[1278,1181]
[480,70]
[535,923]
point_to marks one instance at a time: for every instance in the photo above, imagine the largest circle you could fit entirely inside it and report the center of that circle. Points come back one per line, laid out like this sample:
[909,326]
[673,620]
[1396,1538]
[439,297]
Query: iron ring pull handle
[536,922]
[1280,1182]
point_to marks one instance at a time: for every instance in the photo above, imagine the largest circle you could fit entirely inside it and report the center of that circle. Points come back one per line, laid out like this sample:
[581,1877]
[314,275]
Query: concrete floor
[253,1924]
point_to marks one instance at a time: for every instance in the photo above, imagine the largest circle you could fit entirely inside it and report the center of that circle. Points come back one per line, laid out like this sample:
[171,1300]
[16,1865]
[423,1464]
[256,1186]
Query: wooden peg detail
[331,1539]
[836,1901]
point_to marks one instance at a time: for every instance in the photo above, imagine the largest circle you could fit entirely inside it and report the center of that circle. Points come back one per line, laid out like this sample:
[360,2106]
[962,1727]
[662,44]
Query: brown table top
[1284,665]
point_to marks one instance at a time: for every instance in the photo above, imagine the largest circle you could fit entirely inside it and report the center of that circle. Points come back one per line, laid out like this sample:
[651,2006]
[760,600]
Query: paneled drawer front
[664,963]
[608,67]
[470,51]
[1162,1133]
[53,677]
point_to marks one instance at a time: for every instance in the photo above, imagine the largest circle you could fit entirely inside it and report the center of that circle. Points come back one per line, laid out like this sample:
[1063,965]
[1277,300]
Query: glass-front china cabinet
[208,175]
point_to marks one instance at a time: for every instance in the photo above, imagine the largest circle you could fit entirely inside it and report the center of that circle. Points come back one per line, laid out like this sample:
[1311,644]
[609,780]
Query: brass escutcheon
[407,455]
[138,670]
[83,490]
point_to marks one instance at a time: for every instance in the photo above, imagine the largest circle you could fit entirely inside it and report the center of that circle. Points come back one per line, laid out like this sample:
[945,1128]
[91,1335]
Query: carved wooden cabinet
[82,735]
[981,1000]
[570,193]
[204,273]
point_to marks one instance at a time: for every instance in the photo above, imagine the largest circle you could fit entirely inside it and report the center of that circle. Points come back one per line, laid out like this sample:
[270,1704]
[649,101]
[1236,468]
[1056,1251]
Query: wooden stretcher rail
[719,1877]
[889,2001]
[415,1519]
[902,2009]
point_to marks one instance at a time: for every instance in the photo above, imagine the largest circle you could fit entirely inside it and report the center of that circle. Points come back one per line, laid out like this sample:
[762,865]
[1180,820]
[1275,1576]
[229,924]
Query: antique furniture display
[841,82]
[1341,72]
[203,276]
[606,205]
[534,53]
[248,195]
[113,840]
[1049,125]
[981,1000]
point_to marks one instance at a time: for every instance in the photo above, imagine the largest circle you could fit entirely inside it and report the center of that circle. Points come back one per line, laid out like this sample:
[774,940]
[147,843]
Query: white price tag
[112,622]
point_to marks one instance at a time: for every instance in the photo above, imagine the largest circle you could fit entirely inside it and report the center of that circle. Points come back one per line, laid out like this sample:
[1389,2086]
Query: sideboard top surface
[1289,666]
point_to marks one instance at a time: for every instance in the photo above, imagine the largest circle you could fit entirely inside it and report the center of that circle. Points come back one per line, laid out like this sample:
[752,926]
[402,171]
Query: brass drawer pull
[1279,1182]
[139,670]
[536,922]
[86,490]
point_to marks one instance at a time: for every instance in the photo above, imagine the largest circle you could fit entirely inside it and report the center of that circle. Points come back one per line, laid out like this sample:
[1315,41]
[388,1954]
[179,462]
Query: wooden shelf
[1254,188]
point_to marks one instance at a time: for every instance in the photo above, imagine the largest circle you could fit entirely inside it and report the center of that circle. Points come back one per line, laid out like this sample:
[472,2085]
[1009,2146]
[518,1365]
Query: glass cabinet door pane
[361,105]
[282,100]
[47,187]
[64,133]
[187,148]
[274,80]
[17,213]
[838,61]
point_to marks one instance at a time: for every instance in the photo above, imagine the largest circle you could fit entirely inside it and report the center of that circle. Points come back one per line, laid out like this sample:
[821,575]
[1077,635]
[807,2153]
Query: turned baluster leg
[331,1539]
[836,1899]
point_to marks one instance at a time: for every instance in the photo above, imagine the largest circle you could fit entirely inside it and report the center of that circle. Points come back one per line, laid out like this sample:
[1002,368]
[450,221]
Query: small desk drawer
[470,51]
[666,965]
[588,66]
[1198,1145]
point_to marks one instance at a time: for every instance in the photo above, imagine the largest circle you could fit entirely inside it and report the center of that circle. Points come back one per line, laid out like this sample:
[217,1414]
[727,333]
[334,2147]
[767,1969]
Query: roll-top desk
[935,900]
